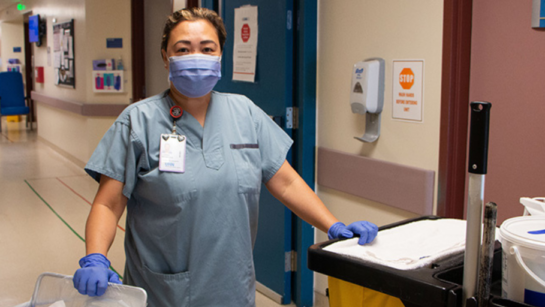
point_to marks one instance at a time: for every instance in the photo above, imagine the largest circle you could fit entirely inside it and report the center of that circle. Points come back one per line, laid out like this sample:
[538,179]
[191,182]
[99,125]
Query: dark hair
[194,14]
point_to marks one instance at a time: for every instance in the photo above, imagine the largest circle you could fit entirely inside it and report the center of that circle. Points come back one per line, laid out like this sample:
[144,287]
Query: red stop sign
[245,33]
[406,78]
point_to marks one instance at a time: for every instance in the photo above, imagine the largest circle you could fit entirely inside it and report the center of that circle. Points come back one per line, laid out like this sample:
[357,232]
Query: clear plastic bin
[58,290]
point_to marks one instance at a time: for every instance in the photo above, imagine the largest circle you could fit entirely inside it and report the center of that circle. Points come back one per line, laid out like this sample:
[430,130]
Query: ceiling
[5,3]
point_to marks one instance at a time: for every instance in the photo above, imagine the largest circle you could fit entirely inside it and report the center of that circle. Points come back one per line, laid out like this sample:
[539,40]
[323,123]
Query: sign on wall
[114,43]
[108,81]
[408,84]
[63,54]
[245,43]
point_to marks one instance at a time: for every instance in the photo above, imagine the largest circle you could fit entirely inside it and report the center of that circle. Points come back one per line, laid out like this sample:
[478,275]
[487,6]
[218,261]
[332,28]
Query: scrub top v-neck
[189,236]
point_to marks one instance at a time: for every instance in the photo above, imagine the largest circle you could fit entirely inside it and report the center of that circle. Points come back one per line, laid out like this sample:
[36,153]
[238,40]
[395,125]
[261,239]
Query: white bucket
[533,206]
[523,272]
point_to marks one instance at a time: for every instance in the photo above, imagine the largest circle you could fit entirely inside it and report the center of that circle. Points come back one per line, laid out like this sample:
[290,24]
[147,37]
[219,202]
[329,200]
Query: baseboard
[62,152]
[277,298]
[320,300]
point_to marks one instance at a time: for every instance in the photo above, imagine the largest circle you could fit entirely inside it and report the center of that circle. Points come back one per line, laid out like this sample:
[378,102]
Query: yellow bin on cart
[345,294]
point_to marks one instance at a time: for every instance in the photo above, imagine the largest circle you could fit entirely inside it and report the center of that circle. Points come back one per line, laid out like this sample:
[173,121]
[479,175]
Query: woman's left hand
[367,231]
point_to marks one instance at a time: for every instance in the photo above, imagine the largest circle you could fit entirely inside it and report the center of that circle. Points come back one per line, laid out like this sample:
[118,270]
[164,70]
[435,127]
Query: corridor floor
[44,202]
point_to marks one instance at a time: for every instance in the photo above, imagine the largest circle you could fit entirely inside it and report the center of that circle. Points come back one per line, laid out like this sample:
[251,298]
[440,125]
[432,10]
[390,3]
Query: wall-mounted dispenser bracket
[372,128]
[367,95]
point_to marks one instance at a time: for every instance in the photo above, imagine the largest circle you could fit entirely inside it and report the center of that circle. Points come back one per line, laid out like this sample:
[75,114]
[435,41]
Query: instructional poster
[408,84]
[245,44]
[108,81]
[63,53]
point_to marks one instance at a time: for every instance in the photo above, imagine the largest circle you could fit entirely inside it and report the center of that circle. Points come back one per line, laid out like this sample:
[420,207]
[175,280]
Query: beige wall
[1,48]
[108,19]
[353,30]
[94,21]
[178,4]
[155,14]
[12,36]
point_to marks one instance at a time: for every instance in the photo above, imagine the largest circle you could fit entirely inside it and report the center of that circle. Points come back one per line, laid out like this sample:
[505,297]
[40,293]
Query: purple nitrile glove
[93,277]
[367,231]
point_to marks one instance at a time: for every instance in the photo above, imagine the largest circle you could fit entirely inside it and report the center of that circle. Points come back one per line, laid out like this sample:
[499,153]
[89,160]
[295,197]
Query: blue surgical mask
[194,75]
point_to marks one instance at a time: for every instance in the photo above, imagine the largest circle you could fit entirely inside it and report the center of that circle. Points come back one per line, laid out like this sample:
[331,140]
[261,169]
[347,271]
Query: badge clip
[176,112]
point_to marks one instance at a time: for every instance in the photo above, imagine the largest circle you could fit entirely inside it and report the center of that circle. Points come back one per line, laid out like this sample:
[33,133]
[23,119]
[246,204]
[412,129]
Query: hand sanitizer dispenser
[367,95]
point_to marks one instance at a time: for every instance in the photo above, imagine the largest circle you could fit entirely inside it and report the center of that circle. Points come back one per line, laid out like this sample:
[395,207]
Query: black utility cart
[438,285]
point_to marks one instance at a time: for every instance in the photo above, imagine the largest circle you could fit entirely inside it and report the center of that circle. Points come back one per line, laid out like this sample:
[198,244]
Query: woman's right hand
[93,277]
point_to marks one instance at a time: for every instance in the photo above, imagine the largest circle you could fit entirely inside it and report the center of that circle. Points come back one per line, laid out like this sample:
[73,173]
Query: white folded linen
[408,246]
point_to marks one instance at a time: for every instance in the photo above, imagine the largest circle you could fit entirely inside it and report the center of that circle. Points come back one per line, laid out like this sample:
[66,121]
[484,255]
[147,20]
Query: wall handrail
[404,187]
[84,109]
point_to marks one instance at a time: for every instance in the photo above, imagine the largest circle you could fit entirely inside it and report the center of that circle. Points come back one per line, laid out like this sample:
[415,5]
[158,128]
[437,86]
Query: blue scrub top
[189,236]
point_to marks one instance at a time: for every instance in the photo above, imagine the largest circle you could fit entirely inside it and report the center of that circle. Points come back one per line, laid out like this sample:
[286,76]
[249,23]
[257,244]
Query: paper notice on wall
[57,60]
[408,83]
[56,40]
[245,44]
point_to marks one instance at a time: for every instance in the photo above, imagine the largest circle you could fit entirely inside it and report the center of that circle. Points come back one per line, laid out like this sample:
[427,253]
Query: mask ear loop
[168,76]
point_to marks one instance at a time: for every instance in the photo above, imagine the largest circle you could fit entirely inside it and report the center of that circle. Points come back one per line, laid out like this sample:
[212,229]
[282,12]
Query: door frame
[138,51]
[457,19]
[29,70]
[306,42]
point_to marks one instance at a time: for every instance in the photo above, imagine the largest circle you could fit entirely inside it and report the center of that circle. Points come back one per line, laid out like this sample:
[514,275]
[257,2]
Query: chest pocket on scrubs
[247,159]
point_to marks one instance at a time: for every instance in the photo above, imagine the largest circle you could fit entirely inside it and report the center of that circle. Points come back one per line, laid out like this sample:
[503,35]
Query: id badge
[172,153]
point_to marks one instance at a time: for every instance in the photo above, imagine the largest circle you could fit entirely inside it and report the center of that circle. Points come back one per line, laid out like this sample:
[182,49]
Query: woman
[188,165]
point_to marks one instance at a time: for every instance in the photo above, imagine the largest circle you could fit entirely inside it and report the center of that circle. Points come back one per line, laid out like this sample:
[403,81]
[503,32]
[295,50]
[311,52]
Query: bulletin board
[63,54]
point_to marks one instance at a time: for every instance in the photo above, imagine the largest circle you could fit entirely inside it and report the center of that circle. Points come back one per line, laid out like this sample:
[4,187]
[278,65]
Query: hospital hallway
[44,202]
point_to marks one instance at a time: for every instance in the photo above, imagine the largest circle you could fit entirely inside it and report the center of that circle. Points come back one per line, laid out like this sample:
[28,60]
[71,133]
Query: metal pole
[473,234]
[478,156]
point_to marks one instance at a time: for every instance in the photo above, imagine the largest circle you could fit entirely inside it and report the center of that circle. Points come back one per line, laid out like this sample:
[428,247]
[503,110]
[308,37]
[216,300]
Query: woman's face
[192,37]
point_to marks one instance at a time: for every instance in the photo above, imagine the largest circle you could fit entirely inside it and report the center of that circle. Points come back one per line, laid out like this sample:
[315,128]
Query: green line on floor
[65,223]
